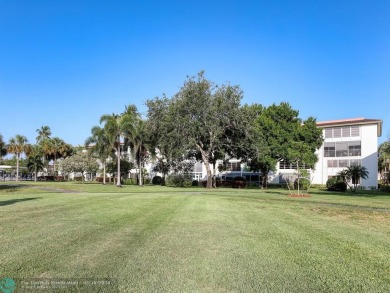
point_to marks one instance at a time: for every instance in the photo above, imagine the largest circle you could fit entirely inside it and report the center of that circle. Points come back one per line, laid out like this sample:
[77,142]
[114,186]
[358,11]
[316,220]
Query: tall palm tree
[43,133]
[116,127]
[18,145]
[55,148]
[35,163]
[140,144]
[99,144]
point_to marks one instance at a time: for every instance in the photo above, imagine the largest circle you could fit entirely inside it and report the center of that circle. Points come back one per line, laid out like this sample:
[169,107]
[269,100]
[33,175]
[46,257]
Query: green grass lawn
[159,239]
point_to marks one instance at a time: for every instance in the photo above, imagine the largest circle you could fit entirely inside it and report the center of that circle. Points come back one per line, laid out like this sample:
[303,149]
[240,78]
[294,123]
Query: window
[355,148]
[332,164]
[236,166]
[337,132]
[288,165]
[346,131]
[328,133]
[355,162]
[341,149]
[355,130]
[343,163]
[329,149]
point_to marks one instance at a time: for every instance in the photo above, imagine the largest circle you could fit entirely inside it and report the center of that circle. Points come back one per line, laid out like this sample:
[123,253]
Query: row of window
[343,149]
[288,165]
[347,131]
[343,163]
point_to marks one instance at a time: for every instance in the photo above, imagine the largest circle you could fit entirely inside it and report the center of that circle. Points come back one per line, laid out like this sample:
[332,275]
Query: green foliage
[79,162]
[157,180]
[276,133]
[304,184]
[384,188]
[335,184]
[125,167]
[201,117]
[178,180]
[354,173]
[3,149]
[130,181]
[384,162]
[118,128]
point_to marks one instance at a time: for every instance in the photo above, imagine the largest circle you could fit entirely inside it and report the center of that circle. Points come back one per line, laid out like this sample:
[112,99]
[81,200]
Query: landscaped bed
[158,239]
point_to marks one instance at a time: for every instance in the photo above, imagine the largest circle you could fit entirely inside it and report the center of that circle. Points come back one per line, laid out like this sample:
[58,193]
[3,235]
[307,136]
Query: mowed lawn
[161,239]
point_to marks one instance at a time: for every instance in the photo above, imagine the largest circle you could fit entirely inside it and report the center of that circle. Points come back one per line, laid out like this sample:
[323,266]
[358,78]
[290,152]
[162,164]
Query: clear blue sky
[65,63]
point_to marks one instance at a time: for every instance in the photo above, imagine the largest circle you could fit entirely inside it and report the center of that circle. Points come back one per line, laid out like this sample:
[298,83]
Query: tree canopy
[201,117]
[277,133]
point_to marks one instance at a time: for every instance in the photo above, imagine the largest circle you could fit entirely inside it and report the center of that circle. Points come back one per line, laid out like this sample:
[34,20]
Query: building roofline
[352,121]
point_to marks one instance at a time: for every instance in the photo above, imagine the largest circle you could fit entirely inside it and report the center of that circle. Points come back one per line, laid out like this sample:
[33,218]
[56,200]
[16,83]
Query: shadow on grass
[12,201]
[11,187]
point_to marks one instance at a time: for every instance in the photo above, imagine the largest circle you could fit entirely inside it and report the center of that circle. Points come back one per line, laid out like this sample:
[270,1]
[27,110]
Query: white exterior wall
[370,154]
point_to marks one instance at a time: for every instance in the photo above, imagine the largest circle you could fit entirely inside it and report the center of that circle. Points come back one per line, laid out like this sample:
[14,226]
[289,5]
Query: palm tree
[354,173]
[18,145]
[140,145]
[116,127]
[99,144]
[35,164]
[43,133]
[3,149]
[55,148]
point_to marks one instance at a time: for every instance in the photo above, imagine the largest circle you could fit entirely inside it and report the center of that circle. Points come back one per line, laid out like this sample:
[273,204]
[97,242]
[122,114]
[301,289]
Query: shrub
[335,185]
[319,186]
[384,188]
[100,179]
[195,183]
[130,181]
[239,182]
[178,180]
[303,184]
[146,181]
[157,180]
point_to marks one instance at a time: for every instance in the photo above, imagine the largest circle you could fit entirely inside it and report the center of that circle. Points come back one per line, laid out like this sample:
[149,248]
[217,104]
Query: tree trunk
[35,174]
[264,179]
[17,167]
[298,175]
[140,172]
[104,173]
[118,181]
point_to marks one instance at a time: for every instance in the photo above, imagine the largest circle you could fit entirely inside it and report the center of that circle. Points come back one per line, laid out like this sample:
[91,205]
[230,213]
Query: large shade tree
[277,133]
[18,145]
[201,117]
[80,162]
[117,127]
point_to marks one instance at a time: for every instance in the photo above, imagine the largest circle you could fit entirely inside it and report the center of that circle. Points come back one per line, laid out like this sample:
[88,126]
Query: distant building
[346,142]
